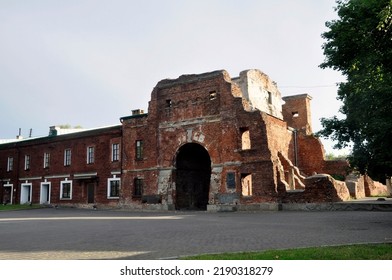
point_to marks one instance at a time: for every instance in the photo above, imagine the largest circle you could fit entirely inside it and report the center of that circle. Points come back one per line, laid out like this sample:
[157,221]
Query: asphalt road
[104,234]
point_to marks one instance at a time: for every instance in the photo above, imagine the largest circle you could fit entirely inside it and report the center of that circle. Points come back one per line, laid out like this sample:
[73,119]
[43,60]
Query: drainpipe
[15,190]
[295,132]
[295,147]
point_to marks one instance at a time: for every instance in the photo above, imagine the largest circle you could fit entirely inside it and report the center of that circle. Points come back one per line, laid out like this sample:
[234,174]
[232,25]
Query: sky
[90,62]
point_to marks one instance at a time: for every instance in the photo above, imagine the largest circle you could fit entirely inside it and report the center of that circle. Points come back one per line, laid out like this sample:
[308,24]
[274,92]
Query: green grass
[381,251]
[10,207]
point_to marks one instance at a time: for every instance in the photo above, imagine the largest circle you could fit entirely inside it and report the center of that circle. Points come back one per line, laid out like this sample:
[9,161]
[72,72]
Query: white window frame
[27,162]
[46,160]
[110,180]
[62,183]
[10,164]
[90,155]
[67,157]
[115,152]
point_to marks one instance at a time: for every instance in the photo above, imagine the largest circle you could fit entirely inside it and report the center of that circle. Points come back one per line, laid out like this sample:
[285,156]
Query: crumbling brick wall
[319,188]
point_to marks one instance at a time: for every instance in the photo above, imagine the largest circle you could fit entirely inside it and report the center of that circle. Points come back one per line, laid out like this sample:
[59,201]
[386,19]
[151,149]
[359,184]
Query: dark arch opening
[193,172]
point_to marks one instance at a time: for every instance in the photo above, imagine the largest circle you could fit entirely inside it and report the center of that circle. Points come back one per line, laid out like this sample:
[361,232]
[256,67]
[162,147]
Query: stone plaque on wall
[230,180]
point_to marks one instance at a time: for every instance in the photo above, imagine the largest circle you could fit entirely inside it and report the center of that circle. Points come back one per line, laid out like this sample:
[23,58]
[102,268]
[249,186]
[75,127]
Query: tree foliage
[359,45]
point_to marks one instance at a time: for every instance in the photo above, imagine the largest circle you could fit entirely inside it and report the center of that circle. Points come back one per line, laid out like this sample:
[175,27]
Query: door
[193,173]
[8,193]
[45,193]
[25,193]
[90,192]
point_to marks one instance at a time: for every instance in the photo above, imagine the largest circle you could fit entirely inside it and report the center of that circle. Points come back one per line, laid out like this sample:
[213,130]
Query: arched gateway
[193,172]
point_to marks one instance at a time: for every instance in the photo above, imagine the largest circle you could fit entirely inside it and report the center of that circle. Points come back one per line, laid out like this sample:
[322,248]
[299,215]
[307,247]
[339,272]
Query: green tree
[359,45]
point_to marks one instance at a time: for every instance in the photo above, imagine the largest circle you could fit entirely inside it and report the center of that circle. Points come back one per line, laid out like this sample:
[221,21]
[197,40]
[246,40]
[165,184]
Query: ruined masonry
[208,142]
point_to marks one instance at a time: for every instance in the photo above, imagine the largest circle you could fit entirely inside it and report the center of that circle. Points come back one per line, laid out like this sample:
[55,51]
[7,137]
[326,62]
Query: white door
[25,193]
[45,193]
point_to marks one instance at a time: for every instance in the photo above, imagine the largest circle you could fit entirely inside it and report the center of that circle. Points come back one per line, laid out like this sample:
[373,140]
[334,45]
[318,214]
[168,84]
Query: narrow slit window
[169,103]
[213,95]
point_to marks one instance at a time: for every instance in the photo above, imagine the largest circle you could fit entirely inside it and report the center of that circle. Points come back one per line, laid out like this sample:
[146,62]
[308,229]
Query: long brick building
[208,141]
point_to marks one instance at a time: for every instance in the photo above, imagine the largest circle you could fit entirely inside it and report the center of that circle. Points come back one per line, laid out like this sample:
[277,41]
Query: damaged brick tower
[210,141]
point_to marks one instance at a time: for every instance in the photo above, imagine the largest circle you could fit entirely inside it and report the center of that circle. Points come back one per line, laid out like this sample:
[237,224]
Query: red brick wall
[100,139]
[208,110]
[296,112]
[310,154]
[319,188]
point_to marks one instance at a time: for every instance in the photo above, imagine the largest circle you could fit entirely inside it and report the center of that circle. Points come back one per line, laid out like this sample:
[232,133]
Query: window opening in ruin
[246,184]
[169,103]
[213,95]
[245,138]
[269,97]
[139,150]
[138,187]
[193,174]
[230,180]
[295,114]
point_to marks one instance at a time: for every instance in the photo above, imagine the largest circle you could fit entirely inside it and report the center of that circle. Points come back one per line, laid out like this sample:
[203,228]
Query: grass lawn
[10,207]
[382,251]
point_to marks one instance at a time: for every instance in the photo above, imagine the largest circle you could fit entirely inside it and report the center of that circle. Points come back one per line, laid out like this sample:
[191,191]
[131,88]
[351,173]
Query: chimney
[19,136]
[137,112]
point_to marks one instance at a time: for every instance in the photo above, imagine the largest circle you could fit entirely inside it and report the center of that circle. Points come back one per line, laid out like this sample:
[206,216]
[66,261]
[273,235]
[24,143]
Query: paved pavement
[104,234]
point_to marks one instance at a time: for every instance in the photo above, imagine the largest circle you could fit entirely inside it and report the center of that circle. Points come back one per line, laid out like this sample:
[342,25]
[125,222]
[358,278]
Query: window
[138,187]
[10,164]
[295,114]
[269,97]
[90,155]
[213,95]
[139,149]
[245,138]
[116,152]
[113,187]
[67,157]
[169,103]
[246,184]
[66,189]
[27,162]
[46,160]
